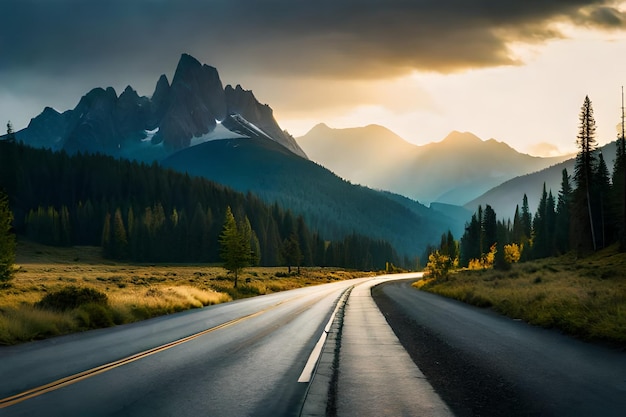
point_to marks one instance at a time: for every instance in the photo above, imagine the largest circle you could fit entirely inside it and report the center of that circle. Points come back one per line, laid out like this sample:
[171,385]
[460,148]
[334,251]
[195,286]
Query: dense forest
[145,213]
[587,214]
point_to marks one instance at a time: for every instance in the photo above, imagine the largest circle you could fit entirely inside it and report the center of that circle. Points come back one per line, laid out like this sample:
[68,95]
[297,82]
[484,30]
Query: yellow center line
[69,380]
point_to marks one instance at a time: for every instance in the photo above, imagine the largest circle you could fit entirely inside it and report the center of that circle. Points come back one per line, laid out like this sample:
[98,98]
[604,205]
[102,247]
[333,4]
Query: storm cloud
[136,40]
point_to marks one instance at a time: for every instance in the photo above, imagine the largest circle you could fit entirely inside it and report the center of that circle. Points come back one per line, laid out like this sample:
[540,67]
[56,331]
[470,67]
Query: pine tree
[107,246]
[7,240]
[582,213]
[249,236]
[504,234]
[526,221]
[619,184]
[291,253]
[119,238]
[602,191]
[234,248]
[490,228]
[562,216]
[8,162]
[471,242]
[10,138]
[517,226]
[619,191]
[541,228]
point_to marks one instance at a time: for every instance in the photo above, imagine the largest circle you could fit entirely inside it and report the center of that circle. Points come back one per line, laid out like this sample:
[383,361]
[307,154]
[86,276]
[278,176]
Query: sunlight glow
[534,107]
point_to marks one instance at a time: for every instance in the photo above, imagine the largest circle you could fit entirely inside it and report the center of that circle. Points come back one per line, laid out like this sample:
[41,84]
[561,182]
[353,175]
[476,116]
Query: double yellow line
[69,380]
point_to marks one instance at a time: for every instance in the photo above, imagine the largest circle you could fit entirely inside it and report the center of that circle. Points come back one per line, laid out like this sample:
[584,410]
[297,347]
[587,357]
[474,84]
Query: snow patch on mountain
[220,132]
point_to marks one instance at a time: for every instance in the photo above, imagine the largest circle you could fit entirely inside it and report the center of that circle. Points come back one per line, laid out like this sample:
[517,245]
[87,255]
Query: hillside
[329,204]
[454,171]
[504,197]
[145,213]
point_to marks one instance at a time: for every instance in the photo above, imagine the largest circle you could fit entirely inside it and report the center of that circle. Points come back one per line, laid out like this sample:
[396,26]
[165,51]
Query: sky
[516,71]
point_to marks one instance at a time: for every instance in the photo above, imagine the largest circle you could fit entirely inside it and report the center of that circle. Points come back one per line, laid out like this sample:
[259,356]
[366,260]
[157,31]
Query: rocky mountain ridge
[145,128]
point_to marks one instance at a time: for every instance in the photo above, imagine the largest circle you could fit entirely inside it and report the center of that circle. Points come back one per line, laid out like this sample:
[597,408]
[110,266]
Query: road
[245,358]
[258,357]
[484,364]
[249,367]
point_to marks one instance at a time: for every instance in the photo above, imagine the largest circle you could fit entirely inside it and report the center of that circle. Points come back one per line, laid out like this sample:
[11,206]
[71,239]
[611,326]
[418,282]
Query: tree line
[145,213]
[588,214]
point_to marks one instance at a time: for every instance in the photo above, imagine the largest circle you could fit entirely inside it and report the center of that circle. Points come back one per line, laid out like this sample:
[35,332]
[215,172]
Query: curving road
[247,362]
[246,358]
[324,350]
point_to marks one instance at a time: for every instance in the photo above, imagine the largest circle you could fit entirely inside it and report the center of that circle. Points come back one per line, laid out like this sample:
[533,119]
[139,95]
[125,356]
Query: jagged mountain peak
[244,103]
[187,60]
[178,112]
[130,92]
[162,83]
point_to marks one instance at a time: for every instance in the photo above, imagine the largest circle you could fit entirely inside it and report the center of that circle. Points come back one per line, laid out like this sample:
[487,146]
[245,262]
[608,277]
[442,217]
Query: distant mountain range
[453,171]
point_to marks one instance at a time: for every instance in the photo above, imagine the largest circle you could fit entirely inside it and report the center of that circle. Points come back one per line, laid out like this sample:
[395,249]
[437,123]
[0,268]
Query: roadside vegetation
[564,267]
[56,291]
[583,297]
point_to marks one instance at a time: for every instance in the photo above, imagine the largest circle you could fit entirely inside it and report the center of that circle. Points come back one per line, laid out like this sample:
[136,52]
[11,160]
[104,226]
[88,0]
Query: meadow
[133,292]
[583,297]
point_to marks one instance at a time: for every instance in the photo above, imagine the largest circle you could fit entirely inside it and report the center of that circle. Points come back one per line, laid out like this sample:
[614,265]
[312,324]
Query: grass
[133,292]
[584,297]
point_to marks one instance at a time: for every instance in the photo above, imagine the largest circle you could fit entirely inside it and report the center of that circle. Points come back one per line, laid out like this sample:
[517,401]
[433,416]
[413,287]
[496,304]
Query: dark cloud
[119,41]
[356,37]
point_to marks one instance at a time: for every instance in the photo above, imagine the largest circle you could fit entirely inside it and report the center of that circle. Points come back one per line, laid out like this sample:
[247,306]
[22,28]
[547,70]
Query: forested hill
[149,213]
[334,207]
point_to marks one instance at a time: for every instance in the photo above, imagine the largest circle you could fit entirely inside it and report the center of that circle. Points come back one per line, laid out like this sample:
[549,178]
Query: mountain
[453,171]
[195,126]
[334,207]
[507,195]
[364,155]
[178,115]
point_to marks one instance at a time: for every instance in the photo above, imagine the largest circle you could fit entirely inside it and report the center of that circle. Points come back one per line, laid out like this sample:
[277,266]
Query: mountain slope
[507,195]
[364,155]
[178,115]
[333,206]
[454,171]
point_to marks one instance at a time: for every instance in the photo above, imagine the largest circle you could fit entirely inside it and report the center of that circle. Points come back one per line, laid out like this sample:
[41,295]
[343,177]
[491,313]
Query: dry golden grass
[135,292]
[582,297]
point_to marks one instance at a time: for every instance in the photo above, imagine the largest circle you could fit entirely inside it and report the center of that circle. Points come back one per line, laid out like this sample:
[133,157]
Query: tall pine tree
[234,246]
[584,229]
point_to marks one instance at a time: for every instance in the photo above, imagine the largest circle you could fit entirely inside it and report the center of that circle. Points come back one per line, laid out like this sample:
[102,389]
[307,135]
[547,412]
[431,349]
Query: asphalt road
[249,367]
[483,364]
[247,358]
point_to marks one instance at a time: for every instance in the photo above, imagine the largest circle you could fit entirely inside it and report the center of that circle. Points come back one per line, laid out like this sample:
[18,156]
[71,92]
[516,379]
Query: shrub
[95,316]
[438,265]
[69,298]
[512,253]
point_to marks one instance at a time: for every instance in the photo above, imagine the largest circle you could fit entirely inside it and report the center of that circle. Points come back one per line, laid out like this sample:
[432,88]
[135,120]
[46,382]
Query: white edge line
[307,372]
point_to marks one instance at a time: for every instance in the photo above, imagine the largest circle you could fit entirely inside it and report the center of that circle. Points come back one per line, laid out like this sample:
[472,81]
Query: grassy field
[134,292]
[583,297]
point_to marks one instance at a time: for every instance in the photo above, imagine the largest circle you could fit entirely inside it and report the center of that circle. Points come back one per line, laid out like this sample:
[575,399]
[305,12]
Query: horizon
[420,70]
